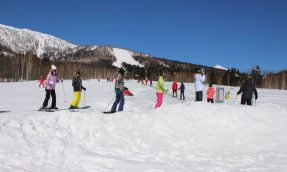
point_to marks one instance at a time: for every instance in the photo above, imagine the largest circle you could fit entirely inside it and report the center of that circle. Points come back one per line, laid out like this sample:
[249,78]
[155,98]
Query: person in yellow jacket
[78,87]
[160,90]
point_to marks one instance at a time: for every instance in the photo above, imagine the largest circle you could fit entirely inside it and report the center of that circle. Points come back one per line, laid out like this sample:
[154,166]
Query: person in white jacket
[199,81]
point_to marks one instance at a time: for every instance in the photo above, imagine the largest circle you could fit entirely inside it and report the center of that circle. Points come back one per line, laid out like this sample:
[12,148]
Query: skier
[174,89]
[127,92]
[247,89]
[210,93]
[51,81]
[41,81]
[160,89]
[150,82]
[119,89]
[182,88]
[199,80]
[78,87]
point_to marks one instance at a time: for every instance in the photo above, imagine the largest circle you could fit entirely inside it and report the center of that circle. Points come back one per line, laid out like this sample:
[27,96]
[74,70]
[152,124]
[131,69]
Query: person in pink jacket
[210,93]
[50,83]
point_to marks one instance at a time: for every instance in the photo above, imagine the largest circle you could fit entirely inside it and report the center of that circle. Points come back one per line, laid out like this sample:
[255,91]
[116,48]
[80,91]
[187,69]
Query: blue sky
[232,33]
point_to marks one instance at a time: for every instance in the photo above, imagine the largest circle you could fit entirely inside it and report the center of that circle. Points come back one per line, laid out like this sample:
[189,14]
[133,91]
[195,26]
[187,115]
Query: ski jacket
[77,84]
[119,84]
[247,89]
[199,80]
[160,85]
[210,93]
[174,86]
[182,87]
[51,81]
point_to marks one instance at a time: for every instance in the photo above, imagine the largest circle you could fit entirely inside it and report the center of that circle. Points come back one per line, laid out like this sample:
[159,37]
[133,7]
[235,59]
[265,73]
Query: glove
[256,97]
[84,88]
[237,93]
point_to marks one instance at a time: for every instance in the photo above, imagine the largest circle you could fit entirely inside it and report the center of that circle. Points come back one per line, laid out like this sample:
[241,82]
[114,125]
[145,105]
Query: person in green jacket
[160,90]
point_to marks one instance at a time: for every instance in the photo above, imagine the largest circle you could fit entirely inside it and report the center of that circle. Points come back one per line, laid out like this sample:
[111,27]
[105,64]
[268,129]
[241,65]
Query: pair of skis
[71,110]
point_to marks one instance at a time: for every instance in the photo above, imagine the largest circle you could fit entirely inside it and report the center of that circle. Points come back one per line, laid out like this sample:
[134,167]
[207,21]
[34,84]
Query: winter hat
[53,67]
[78,72]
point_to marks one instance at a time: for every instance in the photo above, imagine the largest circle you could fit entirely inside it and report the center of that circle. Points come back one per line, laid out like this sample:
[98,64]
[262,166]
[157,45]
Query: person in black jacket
[78,87]
[247,89]
[182,88]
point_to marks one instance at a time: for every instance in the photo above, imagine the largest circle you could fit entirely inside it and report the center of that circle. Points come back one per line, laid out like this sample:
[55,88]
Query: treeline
[18,67]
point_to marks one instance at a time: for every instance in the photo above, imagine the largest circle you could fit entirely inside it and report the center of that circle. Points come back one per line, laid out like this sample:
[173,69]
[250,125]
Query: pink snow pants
[159,100]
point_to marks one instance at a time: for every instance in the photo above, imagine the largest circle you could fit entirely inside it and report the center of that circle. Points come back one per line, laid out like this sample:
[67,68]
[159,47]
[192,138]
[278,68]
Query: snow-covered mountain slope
[124,56]
[178,137]
[23,40]
[219,67]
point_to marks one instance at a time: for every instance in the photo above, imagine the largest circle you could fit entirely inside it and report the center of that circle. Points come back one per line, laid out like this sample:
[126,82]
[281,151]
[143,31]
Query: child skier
[210,93]
[51,81]
[160,89]
[182,88]
[119,89]
[41,81]
[78,87]
[174,89]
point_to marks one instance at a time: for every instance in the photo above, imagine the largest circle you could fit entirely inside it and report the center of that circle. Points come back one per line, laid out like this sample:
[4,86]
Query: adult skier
[119,89]
[160,90]
[247,89]
[51,81]
[182,88]
[78,87]
[199,80]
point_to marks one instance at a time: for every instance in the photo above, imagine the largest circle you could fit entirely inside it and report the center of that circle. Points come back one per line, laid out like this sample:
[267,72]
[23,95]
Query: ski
[4,111]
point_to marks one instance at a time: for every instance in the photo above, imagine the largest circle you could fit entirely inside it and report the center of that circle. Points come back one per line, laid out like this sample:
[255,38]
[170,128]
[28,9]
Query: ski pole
[108,104]
[64,92]
[235,99]
[151,105]
[84,98]
[191,99]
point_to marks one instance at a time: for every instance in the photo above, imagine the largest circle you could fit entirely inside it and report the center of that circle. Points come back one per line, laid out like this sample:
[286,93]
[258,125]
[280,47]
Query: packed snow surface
[181,136]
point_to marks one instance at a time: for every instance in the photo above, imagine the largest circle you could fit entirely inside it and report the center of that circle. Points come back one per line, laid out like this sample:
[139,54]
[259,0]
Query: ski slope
[178,137]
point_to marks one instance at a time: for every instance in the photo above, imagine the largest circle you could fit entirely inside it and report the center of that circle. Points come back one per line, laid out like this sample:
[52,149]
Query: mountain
[43,45]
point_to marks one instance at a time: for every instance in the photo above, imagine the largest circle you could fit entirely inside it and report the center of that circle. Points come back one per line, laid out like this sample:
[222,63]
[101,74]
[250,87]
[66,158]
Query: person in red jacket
[210,93]
[174,89]
[41,81]
[127,92]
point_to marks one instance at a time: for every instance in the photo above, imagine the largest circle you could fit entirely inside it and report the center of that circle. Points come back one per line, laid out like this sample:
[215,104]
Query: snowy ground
[177,137]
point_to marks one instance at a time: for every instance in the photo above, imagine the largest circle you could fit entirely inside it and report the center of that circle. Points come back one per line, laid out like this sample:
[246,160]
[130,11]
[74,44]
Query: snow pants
[77,98]
[47,97]
[174,92]
[159,100]
[120,98]
[244,101]
[182,95]
[199,96]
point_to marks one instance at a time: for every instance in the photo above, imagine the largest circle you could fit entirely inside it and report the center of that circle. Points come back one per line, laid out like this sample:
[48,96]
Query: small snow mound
[220,67]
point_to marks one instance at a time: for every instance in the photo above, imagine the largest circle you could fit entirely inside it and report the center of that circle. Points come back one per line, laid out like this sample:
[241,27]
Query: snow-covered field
[180,136]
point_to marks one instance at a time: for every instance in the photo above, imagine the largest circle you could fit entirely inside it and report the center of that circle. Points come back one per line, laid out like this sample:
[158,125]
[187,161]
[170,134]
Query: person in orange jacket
[174,89]
[210,93]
